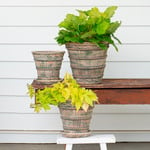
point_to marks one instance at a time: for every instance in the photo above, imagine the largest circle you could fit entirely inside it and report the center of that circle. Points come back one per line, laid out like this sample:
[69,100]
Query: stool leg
[68,146]
[103,146]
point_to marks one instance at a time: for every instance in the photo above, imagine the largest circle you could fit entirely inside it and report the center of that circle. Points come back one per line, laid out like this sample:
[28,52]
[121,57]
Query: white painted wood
[51,136]
[122,109]
[21,104]
[14,104]
[30,121]
[73,2]
[129,53]
[120,122]
[51,121]
[22,53]
[31,25]
[129,35]
[8,87]
[69,147]
[28,137]
[103,146]
[98,138]
[44,16]
[28,35]
[15,53]
[18,70]
[45,35]
[127,70]
[27,70]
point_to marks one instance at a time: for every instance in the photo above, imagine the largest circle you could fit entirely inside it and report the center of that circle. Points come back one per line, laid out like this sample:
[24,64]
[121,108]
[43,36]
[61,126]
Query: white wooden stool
[102,139]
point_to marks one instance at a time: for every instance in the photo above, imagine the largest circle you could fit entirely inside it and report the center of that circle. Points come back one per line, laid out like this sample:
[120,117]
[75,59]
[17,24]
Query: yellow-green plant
[62,92]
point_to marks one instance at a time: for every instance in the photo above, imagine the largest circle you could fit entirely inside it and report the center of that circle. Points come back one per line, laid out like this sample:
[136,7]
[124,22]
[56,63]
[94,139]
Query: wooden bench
[102,140]
[118,91]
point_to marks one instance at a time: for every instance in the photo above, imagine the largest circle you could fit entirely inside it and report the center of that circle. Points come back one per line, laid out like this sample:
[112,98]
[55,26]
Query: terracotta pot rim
[48,52]
[89,43]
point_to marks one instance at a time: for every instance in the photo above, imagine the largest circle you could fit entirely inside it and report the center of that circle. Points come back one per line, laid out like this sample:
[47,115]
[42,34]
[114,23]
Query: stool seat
[102,139]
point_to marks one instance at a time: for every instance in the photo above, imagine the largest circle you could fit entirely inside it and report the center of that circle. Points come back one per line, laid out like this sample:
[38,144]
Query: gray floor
[117,146]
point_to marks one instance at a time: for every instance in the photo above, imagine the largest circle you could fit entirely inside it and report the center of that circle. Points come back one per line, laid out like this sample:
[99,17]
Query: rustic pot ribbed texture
[48,64]
[87,62]
[75,123]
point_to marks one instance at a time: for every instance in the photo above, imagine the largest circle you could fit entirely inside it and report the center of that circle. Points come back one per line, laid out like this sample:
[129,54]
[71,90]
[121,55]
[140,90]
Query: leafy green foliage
[31,91]
[61,92]
[89,26]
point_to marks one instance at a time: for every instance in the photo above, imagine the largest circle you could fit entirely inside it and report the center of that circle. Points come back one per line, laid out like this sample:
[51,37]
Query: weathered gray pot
[48,64]
[75,123]
[87,62]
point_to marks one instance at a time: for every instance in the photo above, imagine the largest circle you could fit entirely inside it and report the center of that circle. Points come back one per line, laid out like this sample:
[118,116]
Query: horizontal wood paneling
[28,35]
[73,2]
[32,25]
[41,35]
[21,53]
[44,16]
[14,87]
[21,105]
[17,70]
[127,70]
[53,122]
[130,53]
[15,104]
[30,121]
[27,70]
[51,136]
[120,122]
[28,137]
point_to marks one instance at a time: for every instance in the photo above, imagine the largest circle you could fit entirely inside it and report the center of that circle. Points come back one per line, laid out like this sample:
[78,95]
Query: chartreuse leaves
[102,27]
[89,26]
[31,91]
[110,11]
[61,92]
[113,27]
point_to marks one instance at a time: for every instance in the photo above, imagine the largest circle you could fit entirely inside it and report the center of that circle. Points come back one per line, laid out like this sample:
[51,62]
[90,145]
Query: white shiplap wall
[28,25]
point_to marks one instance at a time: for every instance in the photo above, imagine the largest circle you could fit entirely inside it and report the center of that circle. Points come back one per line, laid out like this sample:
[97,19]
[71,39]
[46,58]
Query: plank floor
[117,146]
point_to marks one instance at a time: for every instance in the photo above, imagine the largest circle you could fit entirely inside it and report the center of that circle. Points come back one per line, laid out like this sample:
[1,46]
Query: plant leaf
[31,91]
[116,39]
[113,27]
[102,27]
[85,107]
[109,12]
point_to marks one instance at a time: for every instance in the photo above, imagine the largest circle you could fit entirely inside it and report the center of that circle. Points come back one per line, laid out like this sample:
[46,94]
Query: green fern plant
[65,91]
[89,26]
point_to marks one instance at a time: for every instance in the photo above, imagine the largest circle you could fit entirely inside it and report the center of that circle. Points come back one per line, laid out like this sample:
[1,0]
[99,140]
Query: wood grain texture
[44,16]
[111,84]
[118,91]
[61,3]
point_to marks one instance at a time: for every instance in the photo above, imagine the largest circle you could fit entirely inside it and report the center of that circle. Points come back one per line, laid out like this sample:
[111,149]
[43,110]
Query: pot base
[75,135]
[47,81]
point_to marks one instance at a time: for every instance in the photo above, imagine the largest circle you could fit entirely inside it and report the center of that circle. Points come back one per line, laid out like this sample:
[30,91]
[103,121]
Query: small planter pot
[48,64]
[87,62]
[75,123]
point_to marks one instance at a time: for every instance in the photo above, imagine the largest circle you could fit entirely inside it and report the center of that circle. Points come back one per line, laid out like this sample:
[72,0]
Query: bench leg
[68,146]
[103,146]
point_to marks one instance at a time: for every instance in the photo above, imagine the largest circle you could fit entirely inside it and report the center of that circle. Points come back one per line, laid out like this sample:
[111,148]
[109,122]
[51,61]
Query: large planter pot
[48,64]
[75,123]
[87,62]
